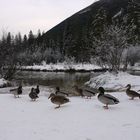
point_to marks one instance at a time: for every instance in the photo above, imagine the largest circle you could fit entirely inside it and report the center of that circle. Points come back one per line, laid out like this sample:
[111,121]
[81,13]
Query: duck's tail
[66,100]
[139,96]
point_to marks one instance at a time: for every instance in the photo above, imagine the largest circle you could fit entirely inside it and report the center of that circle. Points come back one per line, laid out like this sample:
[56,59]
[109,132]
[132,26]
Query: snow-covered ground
[115,81]
[80,119]
[62,67]
[3,82]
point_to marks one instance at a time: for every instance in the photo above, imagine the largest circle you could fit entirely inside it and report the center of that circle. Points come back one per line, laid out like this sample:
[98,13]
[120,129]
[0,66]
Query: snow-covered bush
[110,47]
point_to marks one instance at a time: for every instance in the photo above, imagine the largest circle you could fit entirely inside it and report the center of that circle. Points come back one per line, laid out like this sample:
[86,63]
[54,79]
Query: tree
[31,38]
[133,22]
[110,47]
[97,28]
[99,23]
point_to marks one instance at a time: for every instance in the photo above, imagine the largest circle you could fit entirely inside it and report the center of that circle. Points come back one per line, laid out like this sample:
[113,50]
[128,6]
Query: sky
[25,15]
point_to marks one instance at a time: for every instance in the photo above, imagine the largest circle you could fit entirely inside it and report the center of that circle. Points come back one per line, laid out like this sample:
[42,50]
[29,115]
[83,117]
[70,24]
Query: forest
[112,42]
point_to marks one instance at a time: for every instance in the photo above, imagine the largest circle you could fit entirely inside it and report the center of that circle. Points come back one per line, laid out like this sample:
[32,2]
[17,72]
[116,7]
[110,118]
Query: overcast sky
[24,15]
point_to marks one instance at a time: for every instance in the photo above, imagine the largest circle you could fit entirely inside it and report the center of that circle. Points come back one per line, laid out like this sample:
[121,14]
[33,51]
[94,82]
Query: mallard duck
[58,99]
[16,91]
[58,92]
[84,92]
[106,99]
[131,93]
[37,90]
[33,95]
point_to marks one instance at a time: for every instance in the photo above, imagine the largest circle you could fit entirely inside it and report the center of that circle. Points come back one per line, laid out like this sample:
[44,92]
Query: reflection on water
[52,79]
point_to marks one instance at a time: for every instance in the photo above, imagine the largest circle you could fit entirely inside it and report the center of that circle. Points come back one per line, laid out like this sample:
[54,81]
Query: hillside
[71,37]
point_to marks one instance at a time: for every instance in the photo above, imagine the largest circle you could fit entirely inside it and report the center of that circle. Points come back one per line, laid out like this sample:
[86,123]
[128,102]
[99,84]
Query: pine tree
[99,23]
[31,38]
[97,28]
[133,22]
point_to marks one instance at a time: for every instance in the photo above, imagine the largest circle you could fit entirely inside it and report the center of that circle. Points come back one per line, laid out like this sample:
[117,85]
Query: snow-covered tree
[133,22]
[97,28]
[110,47]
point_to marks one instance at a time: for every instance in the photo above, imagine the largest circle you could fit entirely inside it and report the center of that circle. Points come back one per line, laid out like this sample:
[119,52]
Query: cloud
[24,15]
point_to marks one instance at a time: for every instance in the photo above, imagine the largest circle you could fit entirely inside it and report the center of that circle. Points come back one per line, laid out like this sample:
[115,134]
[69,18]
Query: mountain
[70,35]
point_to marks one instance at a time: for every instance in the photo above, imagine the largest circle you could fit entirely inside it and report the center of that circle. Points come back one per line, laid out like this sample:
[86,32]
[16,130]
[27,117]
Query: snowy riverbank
[115,81]
[62,67]
[82,119]
[3,83]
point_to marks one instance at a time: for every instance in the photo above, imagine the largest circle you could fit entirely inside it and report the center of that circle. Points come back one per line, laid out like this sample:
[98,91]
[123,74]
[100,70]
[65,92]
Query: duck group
[59,97]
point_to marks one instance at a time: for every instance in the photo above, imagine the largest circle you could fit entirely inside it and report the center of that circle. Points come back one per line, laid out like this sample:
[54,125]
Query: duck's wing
[111,97]
[134,93]
[61,92]
[91,92]
[60,99]
[13,90]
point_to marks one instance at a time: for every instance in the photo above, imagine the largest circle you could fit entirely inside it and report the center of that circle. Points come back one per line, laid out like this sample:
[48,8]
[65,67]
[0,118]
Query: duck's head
[57,88]
[101,90]
[128,86]
[32,89]
[51,95]
[37,86]
[20,87]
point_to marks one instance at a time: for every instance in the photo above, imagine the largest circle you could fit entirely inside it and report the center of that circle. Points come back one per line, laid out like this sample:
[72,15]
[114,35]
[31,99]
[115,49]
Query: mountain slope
[71,34]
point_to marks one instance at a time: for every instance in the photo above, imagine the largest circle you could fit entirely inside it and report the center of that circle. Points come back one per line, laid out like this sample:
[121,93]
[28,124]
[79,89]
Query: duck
[58,92]
[88,93]
[33,95]
[58,99]
[131,93]
[37,90]
[106,99]
[16,91]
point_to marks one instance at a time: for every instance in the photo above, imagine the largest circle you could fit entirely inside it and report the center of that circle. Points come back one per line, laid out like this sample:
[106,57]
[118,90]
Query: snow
[83,119]
[63,66]
[3,82]
[118,14]
[85,10]
[115,81]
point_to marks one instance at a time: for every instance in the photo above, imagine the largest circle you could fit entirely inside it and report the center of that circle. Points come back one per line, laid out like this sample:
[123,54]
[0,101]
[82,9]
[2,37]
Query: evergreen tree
[97,28]
[133,22]
[99,23]
[31,38]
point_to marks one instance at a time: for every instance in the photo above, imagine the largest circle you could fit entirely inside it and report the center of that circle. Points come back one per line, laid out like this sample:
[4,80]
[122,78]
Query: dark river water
[53,79]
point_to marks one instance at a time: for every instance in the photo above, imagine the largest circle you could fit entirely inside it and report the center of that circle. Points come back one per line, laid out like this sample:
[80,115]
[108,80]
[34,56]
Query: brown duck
[88,93]
[58,99]
[131,93]
[59,92]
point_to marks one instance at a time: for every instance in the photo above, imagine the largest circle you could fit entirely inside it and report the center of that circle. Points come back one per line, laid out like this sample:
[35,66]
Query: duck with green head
[106,99]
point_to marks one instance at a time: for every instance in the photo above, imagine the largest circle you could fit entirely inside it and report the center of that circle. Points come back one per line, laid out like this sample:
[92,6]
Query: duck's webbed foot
[57,107]
[105,107]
